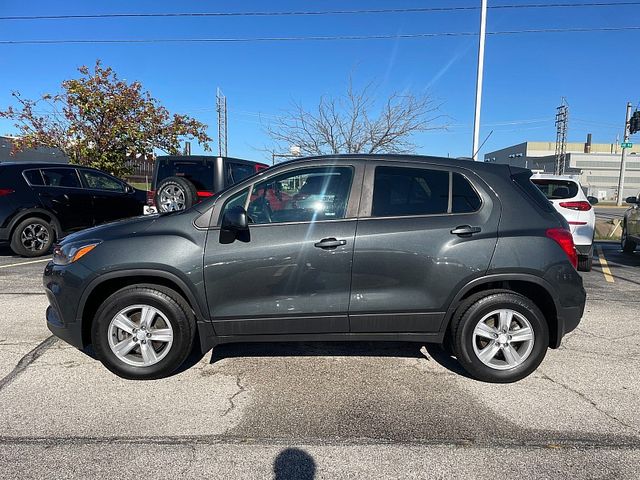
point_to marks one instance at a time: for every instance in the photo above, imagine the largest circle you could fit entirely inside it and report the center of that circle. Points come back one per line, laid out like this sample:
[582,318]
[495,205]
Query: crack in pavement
[27,360]
[589,401]
[241,389]
[629,443]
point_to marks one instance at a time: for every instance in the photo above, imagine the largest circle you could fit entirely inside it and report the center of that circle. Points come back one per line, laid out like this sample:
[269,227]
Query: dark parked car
[410,248]
[40,202]
[179,182]
[631,226]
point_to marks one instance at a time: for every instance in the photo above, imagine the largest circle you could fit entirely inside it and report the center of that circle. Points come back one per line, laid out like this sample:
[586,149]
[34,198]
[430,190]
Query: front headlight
[70,252]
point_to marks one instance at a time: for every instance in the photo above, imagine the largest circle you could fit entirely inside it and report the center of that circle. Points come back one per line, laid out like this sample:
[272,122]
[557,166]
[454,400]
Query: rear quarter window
[523,181]
[33,177]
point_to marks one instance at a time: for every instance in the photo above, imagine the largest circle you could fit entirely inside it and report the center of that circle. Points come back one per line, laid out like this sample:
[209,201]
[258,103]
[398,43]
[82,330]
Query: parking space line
[605,266]
[25,263]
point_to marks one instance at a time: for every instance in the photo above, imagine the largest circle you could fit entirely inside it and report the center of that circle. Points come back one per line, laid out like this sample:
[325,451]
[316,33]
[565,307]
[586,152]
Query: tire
[168,312]
[484,308]
[175,193]
[32,237]
[585,262]
[628,246]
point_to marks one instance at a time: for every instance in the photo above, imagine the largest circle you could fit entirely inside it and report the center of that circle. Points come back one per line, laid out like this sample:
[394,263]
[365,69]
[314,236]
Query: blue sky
[525,75]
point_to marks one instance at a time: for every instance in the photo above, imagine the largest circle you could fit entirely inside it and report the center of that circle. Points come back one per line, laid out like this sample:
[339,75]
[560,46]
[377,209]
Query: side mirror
[631,200]
[235,220]
[129,189]
[592,200]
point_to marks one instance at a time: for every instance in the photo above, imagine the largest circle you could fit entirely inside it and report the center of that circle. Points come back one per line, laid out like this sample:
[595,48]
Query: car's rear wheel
[501,337]
[32,237]
[175,193]
[143,333]
[628,245]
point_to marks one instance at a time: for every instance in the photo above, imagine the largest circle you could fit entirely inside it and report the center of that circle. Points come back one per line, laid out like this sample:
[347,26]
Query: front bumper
[64,286]
[4,234]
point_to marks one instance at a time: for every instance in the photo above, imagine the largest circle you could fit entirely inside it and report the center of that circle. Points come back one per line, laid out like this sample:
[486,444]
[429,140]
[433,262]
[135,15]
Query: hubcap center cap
[141,335]
[502,338]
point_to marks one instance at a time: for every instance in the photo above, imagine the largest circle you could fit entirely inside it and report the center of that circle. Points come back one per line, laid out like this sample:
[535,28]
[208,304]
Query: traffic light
[634,123]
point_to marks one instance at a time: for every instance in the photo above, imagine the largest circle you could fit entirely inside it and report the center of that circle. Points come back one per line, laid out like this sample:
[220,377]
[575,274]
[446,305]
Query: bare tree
[355,123]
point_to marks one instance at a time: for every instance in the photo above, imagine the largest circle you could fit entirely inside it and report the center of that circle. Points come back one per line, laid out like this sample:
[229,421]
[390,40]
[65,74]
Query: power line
[315,38]
[319,12]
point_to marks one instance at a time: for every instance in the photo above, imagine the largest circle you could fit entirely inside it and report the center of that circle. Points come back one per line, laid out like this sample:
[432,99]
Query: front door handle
[466,230]
[330,243]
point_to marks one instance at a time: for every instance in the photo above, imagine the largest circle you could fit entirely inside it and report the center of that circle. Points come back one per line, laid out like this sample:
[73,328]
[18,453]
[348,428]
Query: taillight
[5,191]
[564,238]
[151,198]
[203,194]
[260,166]
[582,206]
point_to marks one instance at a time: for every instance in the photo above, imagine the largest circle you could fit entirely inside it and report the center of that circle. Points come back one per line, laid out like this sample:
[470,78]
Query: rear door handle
[466,230]
[329,243]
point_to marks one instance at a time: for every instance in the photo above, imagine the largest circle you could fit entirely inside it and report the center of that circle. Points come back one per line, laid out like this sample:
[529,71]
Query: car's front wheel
[500,337]
[143,333]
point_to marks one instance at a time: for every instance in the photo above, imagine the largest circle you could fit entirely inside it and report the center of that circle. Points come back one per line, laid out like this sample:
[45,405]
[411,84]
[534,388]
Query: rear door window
[196,171]
[61,177]
[400,191]
[556,189]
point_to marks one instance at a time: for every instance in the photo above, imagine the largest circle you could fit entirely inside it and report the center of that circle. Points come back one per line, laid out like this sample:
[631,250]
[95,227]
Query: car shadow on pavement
[432,352]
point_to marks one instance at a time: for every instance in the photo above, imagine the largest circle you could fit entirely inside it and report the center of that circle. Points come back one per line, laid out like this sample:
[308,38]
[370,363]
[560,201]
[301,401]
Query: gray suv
[358,247]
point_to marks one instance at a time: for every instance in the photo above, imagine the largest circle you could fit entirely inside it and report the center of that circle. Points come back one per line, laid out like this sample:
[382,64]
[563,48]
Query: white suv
[566,195]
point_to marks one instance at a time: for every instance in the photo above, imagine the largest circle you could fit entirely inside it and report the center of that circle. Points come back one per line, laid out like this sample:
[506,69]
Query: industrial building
[41,154]
[596,164]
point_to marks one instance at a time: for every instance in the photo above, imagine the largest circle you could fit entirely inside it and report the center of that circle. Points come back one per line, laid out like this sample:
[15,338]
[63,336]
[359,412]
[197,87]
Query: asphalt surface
[324,410]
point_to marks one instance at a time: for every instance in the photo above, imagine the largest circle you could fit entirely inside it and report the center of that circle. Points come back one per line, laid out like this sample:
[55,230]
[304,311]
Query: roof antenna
[482,144]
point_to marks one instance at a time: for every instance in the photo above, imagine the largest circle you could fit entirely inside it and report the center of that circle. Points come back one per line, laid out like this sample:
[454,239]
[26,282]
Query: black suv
[40,202]
[179,182]
[410,248]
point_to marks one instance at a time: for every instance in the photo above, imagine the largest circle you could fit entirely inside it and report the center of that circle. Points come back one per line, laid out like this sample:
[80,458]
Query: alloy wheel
[34,237]
[172,198]
[140,335]
[503,339]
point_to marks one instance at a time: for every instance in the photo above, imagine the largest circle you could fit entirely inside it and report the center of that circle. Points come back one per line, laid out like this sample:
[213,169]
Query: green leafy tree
[102,121]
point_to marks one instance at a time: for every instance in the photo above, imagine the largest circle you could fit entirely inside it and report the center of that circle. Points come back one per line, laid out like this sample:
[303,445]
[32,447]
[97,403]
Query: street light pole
[476,119]
[623,161]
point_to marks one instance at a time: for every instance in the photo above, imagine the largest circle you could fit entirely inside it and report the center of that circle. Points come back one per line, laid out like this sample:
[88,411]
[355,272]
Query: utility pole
[562,122]
[221,108]
[476,118]
[623,161]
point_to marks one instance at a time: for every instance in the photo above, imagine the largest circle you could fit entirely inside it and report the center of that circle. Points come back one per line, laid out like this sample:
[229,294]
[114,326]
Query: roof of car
[403,158]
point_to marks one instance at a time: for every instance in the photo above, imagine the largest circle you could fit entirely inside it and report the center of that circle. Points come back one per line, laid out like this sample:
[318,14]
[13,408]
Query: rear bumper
[4,234]
[568,320]
[584,249]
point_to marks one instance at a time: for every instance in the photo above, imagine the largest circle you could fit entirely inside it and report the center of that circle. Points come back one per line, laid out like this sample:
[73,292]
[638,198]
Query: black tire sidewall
[182,323]
[585,262]
[628,246]
[16,243]
[189,189]
[464,337]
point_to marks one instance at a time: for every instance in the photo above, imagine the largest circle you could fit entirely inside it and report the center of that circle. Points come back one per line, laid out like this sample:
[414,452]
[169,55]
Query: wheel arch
[38,213]
[530,286]
[107,284]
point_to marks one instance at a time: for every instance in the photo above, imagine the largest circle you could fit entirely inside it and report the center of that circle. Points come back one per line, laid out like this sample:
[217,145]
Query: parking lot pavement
[324,410]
